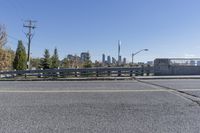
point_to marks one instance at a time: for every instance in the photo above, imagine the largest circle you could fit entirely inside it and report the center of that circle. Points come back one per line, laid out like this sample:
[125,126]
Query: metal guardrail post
[75,74]
[148,70]
[25,75]
[131,73]
[119,73]
[13,75]
[136,72]
[40,75]
[109,73]
[142,70]
[58,73]
[97,73]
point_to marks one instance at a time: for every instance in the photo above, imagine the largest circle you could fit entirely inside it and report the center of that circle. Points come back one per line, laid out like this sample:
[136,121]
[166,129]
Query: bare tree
[3,36]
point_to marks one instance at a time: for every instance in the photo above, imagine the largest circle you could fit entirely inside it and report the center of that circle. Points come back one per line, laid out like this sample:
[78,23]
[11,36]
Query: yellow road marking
[90,91]
[79,91]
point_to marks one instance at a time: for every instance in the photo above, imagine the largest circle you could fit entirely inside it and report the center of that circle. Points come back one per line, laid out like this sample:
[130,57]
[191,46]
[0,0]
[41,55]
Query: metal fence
[177,66]
[81,72]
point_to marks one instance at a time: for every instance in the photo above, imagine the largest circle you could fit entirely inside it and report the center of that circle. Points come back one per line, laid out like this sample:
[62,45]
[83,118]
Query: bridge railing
[82,72]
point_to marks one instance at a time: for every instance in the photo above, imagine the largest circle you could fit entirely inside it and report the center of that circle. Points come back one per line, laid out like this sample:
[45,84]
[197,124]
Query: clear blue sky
[168,28]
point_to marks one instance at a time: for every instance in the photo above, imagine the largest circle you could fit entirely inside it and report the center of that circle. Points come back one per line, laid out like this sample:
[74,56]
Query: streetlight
[133,54]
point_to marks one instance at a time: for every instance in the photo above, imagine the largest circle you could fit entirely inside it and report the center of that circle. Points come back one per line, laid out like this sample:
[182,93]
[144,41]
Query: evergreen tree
[20,57]
[46,60]
[55,59]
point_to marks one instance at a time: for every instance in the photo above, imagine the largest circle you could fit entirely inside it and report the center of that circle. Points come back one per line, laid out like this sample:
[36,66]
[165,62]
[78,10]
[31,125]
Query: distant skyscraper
[114,60]
[103,58]
[124,60]
[70,57]
[85,56]
[109,60]
[119,49]
[120,60]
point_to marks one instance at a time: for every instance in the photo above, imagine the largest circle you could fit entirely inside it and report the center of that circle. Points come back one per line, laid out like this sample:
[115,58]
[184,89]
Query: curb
[168,77]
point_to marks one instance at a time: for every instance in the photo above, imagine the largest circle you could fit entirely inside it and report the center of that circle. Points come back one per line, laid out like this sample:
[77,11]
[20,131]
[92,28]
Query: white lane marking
[79,91]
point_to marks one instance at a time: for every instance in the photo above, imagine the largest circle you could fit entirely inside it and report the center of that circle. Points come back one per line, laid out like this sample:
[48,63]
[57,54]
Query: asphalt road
[98,107]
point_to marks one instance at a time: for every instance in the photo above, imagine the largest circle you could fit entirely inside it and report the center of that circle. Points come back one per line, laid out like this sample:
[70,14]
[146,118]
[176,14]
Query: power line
[11,37]
[14,38]
[10,44]
[30,24]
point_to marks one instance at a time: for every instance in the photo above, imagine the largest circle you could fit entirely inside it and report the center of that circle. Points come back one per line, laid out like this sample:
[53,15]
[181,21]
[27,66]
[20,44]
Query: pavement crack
[191,97]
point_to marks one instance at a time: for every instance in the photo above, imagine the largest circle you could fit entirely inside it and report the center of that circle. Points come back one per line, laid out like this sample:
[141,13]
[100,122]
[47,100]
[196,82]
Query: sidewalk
[169,77]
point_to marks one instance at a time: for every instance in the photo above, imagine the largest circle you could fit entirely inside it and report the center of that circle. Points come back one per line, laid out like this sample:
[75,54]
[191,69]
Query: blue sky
[168,28]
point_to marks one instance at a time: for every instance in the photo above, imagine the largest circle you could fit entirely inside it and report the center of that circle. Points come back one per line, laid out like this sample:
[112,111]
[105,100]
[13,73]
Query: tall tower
[119,48]
[109,59]
[103,58]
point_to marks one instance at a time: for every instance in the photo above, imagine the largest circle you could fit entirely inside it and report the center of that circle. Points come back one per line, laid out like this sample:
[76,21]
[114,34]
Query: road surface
[152,106]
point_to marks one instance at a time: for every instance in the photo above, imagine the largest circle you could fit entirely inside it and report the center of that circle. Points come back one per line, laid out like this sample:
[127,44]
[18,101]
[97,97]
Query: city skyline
[96,26]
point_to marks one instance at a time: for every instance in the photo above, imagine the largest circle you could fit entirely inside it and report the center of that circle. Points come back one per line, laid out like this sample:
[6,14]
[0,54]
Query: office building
[119,49]
[103,58]
[124,61]
[109,60]
[114,61]
[85,56]
[120,60]
[70,57]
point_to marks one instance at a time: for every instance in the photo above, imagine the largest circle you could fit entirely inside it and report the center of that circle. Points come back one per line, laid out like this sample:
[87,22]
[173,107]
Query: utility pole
[30,24]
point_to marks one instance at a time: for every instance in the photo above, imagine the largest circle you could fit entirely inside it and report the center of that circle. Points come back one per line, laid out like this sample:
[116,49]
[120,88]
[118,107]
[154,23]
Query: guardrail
[79,72]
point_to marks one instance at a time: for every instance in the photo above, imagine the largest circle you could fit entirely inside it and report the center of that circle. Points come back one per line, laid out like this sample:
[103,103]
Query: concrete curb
[167,77]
